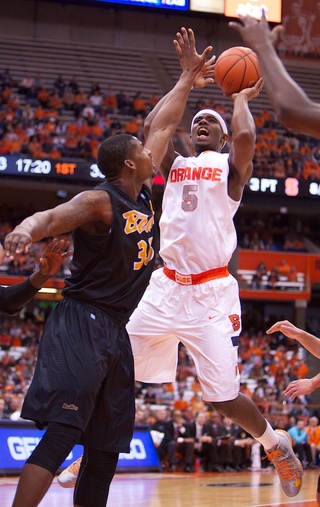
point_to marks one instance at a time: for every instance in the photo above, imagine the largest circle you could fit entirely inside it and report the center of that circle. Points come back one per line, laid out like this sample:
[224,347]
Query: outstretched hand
[203,78]
[16,242]
[53,256]
[189,58]
[256,33]
[298,388]
[285,327]
[252,92]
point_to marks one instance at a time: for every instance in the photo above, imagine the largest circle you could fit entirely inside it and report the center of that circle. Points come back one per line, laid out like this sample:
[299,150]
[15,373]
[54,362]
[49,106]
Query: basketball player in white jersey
[194,299]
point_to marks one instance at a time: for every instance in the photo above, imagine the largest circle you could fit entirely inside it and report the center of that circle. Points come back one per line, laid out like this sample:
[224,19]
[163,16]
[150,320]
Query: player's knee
[54,447]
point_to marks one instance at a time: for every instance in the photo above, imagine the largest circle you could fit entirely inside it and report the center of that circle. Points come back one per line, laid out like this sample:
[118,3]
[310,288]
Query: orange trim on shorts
[206,276]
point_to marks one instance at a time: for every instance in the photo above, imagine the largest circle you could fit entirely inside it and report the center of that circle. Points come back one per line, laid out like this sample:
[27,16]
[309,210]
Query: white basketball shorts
[206,318]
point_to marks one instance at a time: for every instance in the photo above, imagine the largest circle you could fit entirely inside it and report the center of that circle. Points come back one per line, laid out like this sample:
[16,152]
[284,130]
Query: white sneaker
[68,477]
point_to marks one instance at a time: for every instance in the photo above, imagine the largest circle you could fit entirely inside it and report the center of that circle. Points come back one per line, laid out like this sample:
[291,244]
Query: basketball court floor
[235,489]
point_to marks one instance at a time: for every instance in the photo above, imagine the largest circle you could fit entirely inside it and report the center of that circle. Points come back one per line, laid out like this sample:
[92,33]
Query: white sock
[269,440]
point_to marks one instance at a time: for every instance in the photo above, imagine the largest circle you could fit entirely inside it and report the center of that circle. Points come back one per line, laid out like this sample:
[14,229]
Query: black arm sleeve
[14,297]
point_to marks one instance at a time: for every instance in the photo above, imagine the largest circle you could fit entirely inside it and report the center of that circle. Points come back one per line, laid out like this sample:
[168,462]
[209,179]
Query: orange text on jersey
[195,173]
[136,221]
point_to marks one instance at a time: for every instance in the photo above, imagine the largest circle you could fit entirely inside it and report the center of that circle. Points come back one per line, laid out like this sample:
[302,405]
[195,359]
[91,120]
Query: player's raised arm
[307,340]
[243,140]
[163,121]
[294,109]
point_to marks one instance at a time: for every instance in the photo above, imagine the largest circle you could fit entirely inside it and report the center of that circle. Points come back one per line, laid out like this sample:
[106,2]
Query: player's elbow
[294,113]
[285,115]
[246,138]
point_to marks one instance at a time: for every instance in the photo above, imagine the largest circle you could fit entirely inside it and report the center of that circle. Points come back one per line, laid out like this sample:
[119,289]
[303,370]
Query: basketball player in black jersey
[14,297]
[83,386]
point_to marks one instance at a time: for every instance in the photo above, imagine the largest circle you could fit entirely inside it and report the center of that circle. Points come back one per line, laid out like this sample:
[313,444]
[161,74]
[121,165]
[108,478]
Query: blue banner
[17,441]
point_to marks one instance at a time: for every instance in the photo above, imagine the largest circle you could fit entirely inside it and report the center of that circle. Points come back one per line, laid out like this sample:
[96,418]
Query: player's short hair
[112,153]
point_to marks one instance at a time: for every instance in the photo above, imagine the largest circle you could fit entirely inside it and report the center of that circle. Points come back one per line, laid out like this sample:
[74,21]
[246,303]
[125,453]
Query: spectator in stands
[3,415]
[38,82]
[256,242]
[32,96]
[80,100]
[273,278]
[149,395]
[13,297]
[16,407]
[181,442]
[196,403]
[88,113]
[6,79]
[68,98]
[181,403]
[55,102]
[95,87]
[226,448]
[96,100]
[26,84]
[165,431]
[131,127]
[116,128]
[74,85]
[110,102]
[300,443]
[292,275]
[59,85]
[242,449]
[124,103]
[299,369]
[313,432]
[294,109]
[205,442]
[139,105]
[284,268]
[259,276]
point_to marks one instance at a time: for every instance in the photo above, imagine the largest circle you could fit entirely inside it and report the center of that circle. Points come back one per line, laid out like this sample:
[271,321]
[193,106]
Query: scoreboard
[74,171]
[52,170]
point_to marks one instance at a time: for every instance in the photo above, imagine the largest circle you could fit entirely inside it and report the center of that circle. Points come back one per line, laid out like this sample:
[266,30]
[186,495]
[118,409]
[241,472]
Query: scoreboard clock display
[81,171]
[78,171]
[289,187]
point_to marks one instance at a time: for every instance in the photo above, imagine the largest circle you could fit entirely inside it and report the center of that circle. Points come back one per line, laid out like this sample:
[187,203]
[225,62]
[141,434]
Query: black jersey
[111,271]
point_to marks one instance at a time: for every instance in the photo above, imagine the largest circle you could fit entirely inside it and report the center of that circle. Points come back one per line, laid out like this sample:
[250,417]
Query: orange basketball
[235,69]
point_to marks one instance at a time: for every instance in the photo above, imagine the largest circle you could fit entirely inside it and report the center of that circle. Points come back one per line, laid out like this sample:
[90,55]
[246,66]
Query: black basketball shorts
[84,377]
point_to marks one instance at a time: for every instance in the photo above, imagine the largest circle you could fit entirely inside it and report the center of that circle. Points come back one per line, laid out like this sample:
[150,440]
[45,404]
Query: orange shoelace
[285,471]
[74,467]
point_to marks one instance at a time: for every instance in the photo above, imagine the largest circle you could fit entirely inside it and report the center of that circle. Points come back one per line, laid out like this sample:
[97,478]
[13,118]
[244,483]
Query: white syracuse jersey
[198,234]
